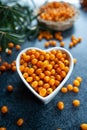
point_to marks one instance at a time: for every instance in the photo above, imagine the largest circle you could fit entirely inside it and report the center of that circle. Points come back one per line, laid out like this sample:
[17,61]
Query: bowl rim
[50,96]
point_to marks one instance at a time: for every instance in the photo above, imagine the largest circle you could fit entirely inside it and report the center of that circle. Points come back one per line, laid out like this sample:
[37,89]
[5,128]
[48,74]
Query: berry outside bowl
[48,98]
[59,25]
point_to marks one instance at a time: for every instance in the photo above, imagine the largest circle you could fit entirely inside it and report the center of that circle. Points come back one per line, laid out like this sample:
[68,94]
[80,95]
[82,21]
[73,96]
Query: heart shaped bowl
[49,97]
[56,24]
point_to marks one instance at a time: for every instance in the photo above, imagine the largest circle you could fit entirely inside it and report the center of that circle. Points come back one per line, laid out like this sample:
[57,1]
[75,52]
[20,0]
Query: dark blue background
[37,116]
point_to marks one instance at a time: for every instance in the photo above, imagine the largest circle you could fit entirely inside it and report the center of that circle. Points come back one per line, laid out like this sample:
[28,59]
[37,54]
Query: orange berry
[25,75]
[76,103]
[40,83]
[69,87]
[18,47]
[76,83]
[41,75]
[4,109]
[49,67]
[34,84]
[79,79]
[30,71]
[46,44]
[34,61]
[52,82]
[42,92]
[10,88]
[83,126]
[75,61]
[29,79]
[49,91]
[46,85]
[10,45]
[46,78]
[60,105]
[71,44]
[47,73]
[20,122]
[62,44]
[8,51]
[75,89]
[64,90]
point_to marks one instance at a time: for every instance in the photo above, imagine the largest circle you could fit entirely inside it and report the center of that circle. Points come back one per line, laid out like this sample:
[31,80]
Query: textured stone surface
[22,103]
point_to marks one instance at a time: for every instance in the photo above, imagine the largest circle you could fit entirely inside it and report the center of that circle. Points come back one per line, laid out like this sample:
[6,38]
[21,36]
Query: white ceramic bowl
[47,99]
[60,25]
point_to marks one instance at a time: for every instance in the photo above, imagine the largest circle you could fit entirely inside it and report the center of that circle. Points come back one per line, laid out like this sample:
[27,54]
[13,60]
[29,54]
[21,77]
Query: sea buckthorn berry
[66,69]
[63,74]
[49,67]
[25,75]
[60,105]
[18,47]
[47,73]
[83,126]
[40,37]
[34,61]
[79,39]
[38,71]
[70,44]
[8,51]
[4,109]
[34,84]
[30,71]
[49,90]
[42,92]
[45,63]
[39,64]
[3,128]
[46,78]
[69,87]
[57,83]
[53,43]
[46,85]
[75,89]
[37,78]
[10,88]
[40,83]
[29,79]
[10,45]
[42,75]
[75,61]
[64,90]
[47,56]
[76,103]
[62,44]
[13,68]
[52,57]
[66,62]
[46,44]
[52,82]
[74,42]
[20,122]
[76,83]
[79,79]
[53,72]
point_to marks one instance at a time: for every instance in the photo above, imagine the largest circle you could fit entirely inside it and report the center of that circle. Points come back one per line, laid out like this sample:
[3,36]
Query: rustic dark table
[37,116]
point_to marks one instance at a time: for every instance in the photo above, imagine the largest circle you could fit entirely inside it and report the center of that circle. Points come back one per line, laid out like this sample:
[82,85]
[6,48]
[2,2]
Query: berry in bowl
[57,15]
[44,72]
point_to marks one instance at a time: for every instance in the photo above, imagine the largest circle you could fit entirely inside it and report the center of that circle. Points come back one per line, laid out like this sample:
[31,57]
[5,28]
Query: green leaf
[14,39]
